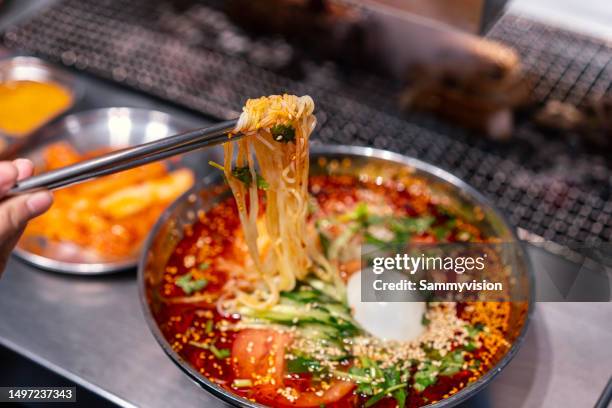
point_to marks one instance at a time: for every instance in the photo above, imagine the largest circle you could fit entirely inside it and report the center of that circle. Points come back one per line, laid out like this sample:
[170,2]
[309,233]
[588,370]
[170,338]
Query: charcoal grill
[193,56]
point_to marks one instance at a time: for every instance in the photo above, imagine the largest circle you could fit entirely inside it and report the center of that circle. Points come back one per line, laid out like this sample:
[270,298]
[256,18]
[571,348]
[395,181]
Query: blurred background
[517,107]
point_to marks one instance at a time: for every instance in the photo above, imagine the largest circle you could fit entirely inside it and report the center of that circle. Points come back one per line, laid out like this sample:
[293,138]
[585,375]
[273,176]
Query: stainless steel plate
[169,231]
[34,69]
[90,130]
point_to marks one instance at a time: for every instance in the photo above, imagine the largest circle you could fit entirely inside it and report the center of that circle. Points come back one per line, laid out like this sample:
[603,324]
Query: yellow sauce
[26,105]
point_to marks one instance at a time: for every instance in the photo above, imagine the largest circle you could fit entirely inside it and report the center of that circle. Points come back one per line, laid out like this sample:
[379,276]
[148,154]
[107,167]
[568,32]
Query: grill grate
[198,59]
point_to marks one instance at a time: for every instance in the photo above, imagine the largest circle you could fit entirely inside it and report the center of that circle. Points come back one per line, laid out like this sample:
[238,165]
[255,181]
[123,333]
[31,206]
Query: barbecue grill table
[91,331]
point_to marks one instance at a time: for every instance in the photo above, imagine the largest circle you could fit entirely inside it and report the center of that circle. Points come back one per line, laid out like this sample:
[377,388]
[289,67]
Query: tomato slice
[260,353]
[336,391]
[423,239]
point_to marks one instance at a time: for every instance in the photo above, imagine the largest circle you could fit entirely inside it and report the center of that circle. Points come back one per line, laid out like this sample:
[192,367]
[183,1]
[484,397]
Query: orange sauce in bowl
[26,105]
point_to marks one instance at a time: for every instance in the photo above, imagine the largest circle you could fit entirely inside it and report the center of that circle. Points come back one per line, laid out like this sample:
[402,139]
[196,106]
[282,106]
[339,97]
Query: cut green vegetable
[283,133]
[189,284]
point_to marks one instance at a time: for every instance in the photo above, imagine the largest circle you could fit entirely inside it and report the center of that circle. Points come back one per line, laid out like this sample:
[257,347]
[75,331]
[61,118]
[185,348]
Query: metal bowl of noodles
[352,160]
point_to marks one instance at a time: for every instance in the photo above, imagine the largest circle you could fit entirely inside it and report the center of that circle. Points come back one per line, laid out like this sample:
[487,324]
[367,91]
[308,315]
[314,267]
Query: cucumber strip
[327,289]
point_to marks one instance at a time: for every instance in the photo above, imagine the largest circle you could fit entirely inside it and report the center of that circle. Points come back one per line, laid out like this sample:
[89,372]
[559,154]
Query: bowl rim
[366,152]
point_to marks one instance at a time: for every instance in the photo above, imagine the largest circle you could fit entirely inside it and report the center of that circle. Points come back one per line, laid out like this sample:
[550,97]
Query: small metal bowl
[169,231]
[96,129]
[23,68]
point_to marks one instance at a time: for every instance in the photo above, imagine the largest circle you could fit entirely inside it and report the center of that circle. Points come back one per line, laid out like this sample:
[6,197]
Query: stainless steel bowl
[34,69]
[169,231]
[95,129]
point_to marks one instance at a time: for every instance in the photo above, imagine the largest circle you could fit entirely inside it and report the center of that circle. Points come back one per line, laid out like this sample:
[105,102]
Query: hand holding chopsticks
[17,211]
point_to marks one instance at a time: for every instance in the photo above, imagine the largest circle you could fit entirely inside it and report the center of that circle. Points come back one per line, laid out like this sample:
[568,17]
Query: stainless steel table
[92,331]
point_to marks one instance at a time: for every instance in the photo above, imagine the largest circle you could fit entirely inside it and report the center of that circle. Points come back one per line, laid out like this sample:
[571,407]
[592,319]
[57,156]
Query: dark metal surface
[605,399]
[491,11]
[190,53]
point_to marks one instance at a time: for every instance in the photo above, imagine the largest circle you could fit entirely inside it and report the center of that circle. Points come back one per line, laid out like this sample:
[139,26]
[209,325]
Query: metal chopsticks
[128,158]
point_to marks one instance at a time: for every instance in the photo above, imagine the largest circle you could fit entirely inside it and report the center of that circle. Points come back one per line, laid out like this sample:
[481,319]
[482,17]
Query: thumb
[17,211]
[14,215]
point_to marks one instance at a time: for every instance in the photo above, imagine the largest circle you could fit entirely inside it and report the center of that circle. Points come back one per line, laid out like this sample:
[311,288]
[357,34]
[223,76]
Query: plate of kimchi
[99,226]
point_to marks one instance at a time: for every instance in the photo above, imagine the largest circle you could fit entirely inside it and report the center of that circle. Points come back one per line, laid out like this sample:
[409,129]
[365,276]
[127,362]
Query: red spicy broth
[200,334]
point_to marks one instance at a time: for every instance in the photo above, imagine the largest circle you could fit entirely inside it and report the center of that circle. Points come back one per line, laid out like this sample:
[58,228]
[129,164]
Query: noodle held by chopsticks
[277,130]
